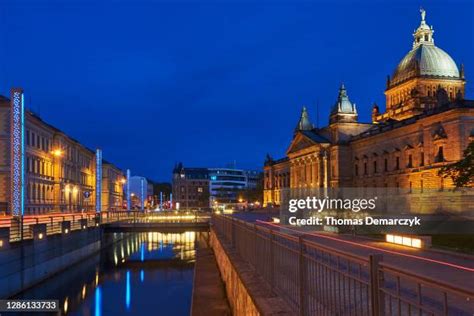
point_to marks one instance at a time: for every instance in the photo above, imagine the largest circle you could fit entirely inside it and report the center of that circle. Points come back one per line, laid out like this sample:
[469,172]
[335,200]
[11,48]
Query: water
[143,274]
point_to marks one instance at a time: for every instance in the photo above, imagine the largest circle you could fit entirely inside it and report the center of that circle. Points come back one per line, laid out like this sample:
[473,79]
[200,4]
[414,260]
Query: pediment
[299,143]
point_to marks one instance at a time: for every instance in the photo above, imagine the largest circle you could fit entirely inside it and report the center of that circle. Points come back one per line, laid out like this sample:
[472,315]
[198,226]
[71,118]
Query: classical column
[325,172]
[320,171]
[292,175]
[315,172]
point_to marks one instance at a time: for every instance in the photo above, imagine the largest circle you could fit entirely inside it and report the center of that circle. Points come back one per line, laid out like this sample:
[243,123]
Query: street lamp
[57,152]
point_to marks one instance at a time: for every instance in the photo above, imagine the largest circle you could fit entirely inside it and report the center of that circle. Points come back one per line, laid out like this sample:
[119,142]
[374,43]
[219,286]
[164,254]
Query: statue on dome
[423,14]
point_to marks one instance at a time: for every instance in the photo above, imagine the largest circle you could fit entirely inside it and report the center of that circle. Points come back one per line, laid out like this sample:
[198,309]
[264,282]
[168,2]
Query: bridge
[15,229]
[272,268]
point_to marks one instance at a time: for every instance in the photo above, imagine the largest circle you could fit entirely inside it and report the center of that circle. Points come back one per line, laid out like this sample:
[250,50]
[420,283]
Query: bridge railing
[318,280]
[35,226]
[152,216]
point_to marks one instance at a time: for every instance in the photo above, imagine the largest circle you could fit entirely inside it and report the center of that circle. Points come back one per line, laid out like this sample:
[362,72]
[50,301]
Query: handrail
[318,279]
[416,277]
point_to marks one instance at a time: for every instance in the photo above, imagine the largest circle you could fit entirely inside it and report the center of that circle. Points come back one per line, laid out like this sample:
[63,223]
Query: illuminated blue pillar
[129,204]
[142,193]
[128,291]
[98,181]
[17,170]
[161,201]
[171,200]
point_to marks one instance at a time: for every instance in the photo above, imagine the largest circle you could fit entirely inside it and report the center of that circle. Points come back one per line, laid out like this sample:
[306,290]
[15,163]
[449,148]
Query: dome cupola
[412,88]
[343,110]
[425,59]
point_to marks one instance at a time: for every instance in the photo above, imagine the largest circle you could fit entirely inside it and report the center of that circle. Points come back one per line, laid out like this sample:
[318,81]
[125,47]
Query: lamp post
[57,154]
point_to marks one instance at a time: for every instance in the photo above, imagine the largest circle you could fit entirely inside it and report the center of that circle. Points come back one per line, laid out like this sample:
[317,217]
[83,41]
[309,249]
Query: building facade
[59,171]
[113,180]
[206,187]
[190,187]
[426,125]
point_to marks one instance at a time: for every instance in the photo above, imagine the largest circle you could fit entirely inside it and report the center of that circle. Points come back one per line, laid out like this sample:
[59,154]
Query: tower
[343,111]
[414,84]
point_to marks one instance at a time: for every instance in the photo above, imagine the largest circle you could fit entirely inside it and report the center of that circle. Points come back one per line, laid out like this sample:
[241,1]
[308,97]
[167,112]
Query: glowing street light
[57,152]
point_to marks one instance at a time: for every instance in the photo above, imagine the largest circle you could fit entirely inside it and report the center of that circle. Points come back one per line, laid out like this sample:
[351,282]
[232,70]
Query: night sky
[208,82]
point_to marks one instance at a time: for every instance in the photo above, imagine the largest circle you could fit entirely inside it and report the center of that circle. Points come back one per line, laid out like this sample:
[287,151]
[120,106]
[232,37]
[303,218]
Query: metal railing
[23,230]
[318,280]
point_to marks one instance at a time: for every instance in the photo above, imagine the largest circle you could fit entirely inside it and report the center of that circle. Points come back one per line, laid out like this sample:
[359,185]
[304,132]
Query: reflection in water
[98,301]
[94,286]
[127,291]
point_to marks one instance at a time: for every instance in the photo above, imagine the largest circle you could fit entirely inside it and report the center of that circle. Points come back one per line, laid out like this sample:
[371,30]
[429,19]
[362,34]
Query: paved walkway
[209,297]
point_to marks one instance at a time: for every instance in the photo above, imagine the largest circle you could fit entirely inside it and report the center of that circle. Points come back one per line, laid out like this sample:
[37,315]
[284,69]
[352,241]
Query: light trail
[374,248]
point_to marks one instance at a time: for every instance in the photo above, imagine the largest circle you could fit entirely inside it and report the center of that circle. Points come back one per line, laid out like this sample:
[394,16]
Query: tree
[461,172]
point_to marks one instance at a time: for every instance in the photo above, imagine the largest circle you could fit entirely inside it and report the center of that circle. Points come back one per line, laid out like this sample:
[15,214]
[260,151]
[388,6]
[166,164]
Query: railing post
[255,246]
[232,227]
[376,295]
[272,260]
[301,276]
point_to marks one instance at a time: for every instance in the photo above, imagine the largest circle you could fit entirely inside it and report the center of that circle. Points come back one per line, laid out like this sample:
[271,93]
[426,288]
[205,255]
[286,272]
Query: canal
[141,274]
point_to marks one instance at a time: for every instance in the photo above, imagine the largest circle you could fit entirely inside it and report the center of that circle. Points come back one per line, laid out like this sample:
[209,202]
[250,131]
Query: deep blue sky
[208,82]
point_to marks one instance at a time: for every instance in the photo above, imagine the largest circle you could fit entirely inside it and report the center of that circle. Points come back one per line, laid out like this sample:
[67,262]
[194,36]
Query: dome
[425,60]
[343,104]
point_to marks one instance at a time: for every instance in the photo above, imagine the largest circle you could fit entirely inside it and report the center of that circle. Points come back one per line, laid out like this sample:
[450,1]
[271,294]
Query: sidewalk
[209,297]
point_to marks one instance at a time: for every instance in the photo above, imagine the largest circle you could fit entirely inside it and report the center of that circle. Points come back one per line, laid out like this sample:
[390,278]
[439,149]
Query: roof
[343,104]
[276,162]
[425,60]
[314,136]
[393,124]
[304,123]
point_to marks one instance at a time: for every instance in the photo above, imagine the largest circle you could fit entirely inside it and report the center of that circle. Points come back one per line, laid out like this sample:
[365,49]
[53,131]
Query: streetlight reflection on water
[122,271]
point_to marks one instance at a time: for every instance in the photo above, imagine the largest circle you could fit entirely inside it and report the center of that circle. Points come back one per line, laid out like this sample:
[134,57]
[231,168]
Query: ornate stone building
[426,125]
[113,181]
[59,171]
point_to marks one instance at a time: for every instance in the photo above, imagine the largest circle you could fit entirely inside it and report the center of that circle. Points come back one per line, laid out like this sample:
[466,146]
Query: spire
[424,33]
[344,110]
[304,123]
